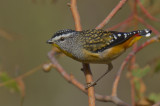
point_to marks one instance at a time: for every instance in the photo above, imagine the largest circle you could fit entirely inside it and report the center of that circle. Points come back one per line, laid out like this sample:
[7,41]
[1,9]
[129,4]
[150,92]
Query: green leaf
[10,83]
[154,97]
[137,85]
[139,73]
[157,68]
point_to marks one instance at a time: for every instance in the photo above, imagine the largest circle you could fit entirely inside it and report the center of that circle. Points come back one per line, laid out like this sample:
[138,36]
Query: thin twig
[113,99]
[75,15]
[126,21]
[124,63]
[146,12]
[133,59]
[112,13]
[59,68]
[28,73]
[132,90]
[89,79]
[5,34]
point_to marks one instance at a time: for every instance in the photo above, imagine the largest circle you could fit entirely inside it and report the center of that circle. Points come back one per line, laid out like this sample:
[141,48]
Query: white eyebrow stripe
[63,35]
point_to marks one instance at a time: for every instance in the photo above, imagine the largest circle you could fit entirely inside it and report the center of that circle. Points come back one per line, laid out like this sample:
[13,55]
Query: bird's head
[63,39]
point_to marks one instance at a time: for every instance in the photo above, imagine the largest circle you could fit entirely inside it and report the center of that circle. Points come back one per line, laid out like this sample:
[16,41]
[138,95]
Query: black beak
[49,41]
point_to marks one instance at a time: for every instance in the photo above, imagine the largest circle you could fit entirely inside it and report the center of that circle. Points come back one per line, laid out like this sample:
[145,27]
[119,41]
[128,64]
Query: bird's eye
[62,38]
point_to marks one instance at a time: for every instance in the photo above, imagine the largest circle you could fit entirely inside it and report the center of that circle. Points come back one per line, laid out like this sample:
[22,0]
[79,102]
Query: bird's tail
[137,35]
[145,32]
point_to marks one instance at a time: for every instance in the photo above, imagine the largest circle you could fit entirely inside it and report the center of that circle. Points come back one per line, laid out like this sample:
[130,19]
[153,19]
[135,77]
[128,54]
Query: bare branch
[112,13]
[126,21]
[124,63]
[89,79]
[75,15]
[146,12]
[28,73]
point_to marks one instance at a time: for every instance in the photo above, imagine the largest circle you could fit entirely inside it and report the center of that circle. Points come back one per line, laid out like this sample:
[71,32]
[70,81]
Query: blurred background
[26,25]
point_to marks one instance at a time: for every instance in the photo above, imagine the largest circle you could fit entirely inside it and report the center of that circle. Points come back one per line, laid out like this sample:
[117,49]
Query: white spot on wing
[115,37]
[119,35]
[111,40]
[146,30]
[148,34]
[125,36]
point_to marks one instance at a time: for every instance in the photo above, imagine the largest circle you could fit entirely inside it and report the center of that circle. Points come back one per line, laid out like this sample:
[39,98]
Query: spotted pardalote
[95,45]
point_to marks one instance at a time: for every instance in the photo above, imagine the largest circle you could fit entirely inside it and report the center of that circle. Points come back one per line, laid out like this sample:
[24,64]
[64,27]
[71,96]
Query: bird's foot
[90,84]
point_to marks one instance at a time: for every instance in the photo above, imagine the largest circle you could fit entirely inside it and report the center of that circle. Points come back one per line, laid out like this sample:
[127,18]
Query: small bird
[95,45]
